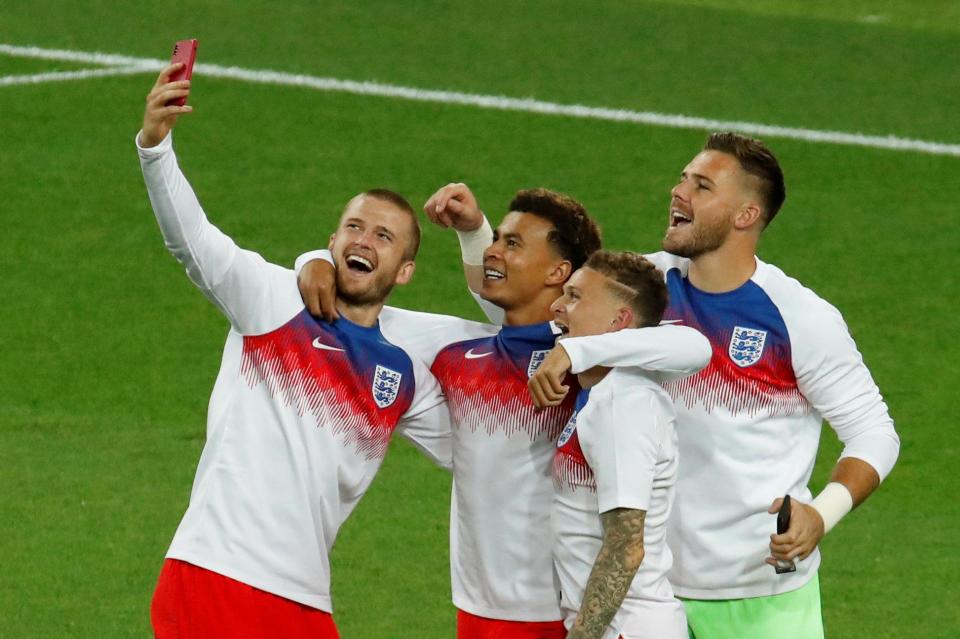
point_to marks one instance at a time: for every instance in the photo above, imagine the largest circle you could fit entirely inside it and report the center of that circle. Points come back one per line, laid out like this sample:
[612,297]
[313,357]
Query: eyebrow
[378,227]
[699,176]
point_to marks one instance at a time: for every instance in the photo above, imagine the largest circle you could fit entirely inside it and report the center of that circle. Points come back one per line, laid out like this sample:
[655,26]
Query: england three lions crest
[746,346]
[536,358]
[386,386]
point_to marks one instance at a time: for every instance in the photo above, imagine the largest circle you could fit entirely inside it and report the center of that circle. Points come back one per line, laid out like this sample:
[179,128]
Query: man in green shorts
[749,423]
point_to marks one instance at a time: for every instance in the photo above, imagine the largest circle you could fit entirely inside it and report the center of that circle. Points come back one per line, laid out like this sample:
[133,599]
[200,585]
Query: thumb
[775,507]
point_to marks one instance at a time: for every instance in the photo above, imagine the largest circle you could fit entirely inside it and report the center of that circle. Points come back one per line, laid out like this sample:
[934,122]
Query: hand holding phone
[184,51]
[166,101]
[783,525]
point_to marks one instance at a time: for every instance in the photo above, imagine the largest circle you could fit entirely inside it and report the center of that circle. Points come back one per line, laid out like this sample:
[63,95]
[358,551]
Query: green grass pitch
[109,353]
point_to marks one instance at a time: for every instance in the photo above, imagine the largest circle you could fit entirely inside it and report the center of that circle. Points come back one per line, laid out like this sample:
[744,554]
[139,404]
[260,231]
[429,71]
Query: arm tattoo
[613,571]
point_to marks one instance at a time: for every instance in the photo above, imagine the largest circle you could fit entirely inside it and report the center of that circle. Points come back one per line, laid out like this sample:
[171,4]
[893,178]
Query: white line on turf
[527,105]
[58,76]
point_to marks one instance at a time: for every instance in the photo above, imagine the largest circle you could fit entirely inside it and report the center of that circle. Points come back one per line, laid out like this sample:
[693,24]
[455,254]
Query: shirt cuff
[321,254]
[154,151]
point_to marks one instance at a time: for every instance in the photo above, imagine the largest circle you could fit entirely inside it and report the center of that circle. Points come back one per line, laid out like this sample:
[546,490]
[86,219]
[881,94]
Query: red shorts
[474,627]
[194,603]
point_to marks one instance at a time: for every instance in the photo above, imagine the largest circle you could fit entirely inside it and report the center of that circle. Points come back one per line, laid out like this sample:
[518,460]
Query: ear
[405,274]
[748,215]
[623,319]
[333,236]
[559,273]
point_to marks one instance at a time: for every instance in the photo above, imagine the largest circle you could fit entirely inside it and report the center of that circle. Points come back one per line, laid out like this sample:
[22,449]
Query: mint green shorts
[792,615]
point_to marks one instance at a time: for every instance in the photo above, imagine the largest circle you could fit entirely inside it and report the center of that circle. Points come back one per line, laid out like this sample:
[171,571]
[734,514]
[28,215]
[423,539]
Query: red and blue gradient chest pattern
[751,369]
[349,377]
[485,381]
[570,468]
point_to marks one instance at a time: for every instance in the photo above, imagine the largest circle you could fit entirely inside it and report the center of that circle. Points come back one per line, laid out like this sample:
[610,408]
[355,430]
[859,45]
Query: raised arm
[454,206]
[253,294]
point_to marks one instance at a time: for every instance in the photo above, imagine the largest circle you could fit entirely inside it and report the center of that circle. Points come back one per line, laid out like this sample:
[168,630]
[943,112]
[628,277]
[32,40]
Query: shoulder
[668,261]
[393,318]
[461,349]
[806,315]
[425,334]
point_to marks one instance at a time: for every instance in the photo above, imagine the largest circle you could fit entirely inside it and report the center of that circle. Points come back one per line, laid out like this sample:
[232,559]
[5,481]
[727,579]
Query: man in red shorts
[300,416]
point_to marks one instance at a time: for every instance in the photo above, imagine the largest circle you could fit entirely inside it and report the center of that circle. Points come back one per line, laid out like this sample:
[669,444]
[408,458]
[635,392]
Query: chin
[487,293]
[679,248]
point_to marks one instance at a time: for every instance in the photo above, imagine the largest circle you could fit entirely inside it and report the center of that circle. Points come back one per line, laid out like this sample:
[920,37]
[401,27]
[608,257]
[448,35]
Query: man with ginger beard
[749,423]
[301,413]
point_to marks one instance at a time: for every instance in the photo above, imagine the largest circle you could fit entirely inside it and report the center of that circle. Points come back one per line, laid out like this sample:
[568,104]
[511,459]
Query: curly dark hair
[575,236]
[639,283]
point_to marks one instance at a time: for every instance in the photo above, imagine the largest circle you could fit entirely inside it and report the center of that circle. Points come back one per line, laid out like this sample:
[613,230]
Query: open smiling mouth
[679,218]
[359,264]
[492,274]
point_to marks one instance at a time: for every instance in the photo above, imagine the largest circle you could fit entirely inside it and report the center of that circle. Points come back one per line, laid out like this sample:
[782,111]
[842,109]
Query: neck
[361,314]
[724,269]
[534,312]
[592,376]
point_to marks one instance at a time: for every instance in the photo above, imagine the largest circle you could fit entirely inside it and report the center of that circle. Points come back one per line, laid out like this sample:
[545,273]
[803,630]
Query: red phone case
[183,51]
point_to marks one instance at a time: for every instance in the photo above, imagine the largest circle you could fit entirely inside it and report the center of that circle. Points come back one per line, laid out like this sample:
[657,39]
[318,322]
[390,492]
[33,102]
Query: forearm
[674,351]
[857,476]
[474,276]
[613,571]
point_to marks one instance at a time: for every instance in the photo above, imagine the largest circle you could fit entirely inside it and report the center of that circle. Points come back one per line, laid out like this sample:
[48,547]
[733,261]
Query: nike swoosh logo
[323,347]
[471,355]
[663,322]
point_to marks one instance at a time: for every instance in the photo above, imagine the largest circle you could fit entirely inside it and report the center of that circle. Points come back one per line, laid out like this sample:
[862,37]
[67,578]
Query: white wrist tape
[833,503]
[474,243]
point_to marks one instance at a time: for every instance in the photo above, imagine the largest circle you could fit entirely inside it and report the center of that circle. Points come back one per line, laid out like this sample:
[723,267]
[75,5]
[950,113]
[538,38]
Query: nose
[557,305]
[363,239]
[494,250]
[679,191]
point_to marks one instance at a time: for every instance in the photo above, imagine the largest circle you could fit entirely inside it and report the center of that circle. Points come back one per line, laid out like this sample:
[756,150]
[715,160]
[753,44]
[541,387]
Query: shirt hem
[528,614]
[746,592]
[320,602]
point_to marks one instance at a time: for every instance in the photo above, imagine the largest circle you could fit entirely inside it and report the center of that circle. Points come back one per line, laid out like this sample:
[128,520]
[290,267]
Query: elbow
[697,351]
[880,449]
[701,351]
[894,453]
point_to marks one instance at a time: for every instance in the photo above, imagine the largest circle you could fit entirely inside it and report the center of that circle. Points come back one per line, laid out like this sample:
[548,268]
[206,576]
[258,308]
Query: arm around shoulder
[672,351]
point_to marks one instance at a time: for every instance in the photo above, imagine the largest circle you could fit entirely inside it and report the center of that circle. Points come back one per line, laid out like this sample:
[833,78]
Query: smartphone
[183,51]
[783,525]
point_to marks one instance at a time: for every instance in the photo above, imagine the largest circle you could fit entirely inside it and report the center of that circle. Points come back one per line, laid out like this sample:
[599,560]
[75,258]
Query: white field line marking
[527,105]
[58,76]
